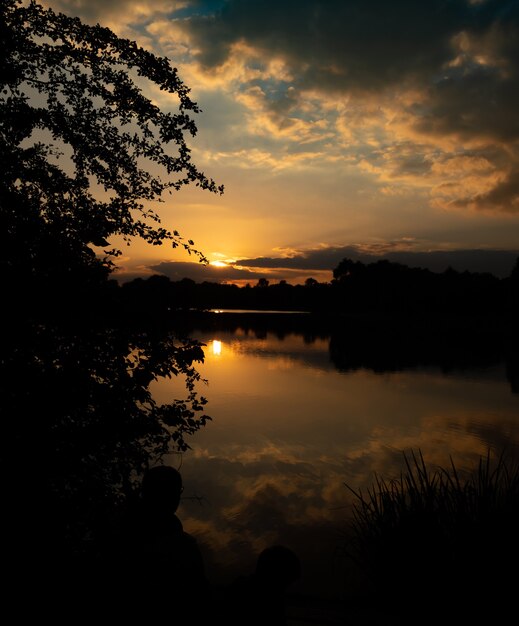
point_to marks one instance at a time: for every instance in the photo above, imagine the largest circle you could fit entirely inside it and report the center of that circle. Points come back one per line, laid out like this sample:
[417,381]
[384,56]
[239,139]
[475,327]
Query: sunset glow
[391,136]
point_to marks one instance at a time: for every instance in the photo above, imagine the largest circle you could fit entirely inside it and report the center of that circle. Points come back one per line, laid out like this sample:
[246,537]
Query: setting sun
[218,264]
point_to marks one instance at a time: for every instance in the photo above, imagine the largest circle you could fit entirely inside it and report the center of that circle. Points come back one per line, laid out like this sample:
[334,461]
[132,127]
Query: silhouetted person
[160,569]
[260,598]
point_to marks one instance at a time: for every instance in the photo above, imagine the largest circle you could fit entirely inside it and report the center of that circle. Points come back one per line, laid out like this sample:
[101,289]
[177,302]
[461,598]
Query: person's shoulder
[189,542]
[188,537]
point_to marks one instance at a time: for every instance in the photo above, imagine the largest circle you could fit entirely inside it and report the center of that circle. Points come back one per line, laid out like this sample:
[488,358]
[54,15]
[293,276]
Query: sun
[218,264]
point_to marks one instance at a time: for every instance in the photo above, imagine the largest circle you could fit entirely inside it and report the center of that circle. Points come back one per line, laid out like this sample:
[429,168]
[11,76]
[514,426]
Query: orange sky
[339,127]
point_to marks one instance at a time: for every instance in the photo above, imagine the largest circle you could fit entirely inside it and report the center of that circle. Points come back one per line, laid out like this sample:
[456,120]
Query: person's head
[279,566]
[161,487]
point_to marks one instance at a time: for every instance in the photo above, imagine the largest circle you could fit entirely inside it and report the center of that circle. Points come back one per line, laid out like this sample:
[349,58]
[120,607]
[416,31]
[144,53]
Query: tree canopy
[84,155]
[84,151]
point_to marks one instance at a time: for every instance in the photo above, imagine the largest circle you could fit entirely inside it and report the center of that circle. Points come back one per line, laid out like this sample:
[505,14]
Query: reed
[438,539]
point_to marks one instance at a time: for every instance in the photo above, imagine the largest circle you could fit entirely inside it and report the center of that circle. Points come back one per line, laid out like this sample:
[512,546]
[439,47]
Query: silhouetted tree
[385,287]
[83,153]
[514,274]
[78,139]
[347,268]
[512,291]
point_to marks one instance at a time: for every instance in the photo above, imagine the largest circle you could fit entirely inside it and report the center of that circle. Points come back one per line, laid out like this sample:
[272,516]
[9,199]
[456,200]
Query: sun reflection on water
[217,347]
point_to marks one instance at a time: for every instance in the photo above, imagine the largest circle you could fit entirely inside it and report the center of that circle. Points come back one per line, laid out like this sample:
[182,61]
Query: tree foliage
[84,154]
[84,151]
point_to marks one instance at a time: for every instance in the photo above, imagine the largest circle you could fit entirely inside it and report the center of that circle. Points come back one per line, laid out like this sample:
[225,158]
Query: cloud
[505,193]
[497,262]
[388,88]
[177,270]
[362,44]
[321,258]
[232,273]
[319,263]
[440,76]
[93,11]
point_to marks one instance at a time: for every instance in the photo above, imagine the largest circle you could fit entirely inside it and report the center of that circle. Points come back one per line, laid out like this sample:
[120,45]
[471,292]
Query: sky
[365,129]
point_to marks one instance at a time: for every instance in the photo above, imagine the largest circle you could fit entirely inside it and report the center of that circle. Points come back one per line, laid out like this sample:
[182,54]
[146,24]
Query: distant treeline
[381,288]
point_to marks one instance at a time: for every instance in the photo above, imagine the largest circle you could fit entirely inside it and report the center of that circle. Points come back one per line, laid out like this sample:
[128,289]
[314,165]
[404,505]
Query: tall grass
[434,543]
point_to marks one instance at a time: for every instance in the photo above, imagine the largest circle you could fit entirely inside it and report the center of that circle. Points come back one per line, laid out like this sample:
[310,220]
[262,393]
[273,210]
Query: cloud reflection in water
[289,430]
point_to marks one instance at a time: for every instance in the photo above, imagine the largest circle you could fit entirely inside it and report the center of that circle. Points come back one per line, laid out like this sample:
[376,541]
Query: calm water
[289,430]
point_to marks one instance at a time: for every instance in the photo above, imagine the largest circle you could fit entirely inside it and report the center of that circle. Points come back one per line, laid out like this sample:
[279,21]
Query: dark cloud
[497,262]
[320,259]
[505,195]
[370,44]
[366,44]
[176,270]
[91,10]
[273,270]
[459,59]
[360,43]
[321,262]
[228,274]
[473,101]
[415,165]
[462,56]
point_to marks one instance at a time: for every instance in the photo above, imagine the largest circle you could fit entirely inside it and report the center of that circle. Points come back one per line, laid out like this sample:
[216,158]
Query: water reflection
[289,429]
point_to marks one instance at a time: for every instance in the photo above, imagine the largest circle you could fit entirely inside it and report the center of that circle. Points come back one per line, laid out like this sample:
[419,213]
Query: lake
[297,414]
